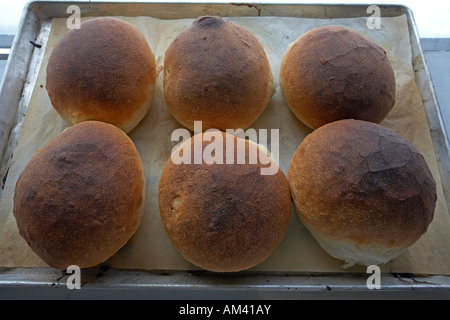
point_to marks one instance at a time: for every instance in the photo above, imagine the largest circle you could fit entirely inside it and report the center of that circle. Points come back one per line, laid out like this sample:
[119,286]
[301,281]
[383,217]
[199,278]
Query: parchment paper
[150,247]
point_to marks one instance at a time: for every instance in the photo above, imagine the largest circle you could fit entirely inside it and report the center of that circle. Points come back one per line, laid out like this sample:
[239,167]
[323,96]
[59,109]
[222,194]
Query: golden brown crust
[216,71]
[223,217]
[103,71]
[359,182]
[79,198]
[332,73]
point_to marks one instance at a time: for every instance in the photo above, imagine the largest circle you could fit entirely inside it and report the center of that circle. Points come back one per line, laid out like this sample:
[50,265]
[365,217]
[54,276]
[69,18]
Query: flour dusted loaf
[103,71]
[79,199]
[364,192]
[224,217]
[333,73]
[217,72]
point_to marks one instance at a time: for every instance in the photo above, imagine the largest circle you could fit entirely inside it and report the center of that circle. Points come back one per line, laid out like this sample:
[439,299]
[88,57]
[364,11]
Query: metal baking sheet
[15,92]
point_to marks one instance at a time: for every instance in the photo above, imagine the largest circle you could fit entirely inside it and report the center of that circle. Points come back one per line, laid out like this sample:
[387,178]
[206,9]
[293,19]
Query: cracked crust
[216,71]
[332,73]
[224,217]
[103,71]
[358,183]
[80,197]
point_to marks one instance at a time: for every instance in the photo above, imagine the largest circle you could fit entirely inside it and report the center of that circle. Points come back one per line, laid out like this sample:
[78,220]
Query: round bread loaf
[103,71]
[217,72]
[80,197]
[224,217]
[333,73]
[364,192]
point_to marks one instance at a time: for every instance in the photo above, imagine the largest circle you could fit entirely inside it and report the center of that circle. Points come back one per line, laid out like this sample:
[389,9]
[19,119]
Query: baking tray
[100,282]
